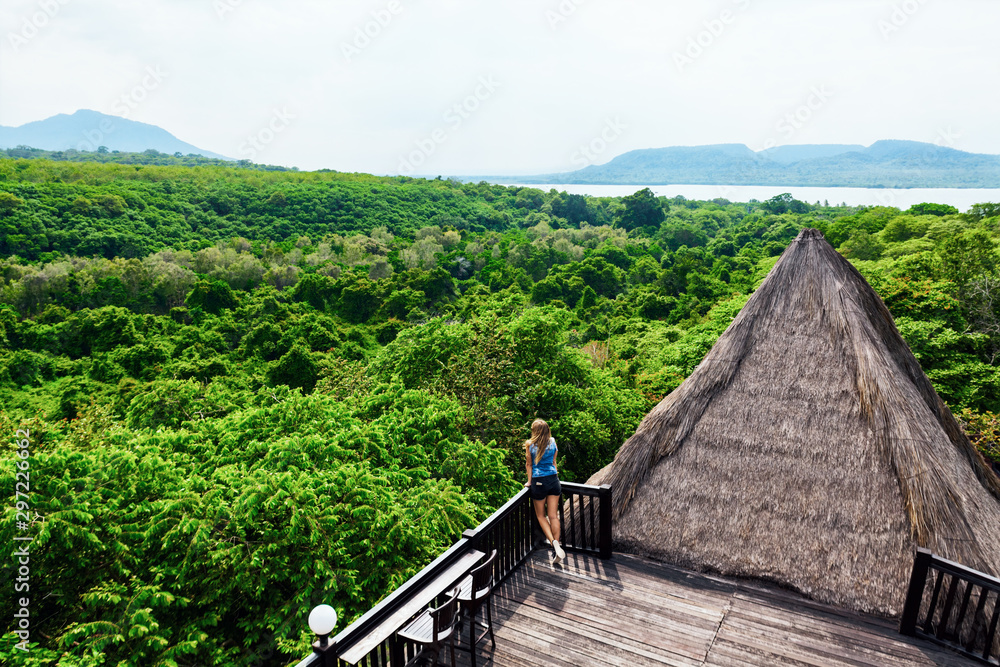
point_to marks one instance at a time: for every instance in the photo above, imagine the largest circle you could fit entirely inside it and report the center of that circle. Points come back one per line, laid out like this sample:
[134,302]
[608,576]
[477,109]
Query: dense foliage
[148,157]
[249,392]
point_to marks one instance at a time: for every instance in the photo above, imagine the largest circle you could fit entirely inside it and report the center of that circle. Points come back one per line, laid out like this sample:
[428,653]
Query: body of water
[960,198]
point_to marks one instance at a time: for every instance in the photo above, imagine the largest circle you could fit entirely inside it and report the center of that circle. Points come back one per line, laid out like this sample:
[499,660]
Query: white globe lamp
[322,621]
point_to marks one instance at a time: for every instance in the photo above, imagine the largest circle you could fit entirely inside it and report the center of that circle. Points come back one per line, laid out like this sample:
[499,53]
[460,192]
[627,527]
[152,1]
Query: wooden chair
[473,592]
[432,629]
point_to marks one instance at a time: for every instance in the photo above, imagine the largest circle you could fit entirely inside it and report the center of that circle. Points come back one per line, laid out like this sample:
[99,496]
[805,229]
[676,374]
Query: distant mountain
[87,130]
[797,153]
[884,164]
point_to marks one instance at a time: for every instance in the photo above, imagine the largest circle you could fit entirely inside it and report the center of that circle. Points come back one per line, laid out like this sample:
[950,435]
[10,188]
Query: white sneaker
[560,554]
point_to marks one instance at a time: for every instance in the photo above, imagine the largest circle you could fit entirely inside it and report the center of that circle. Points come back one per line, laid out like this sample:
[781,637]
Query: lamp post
[322,621]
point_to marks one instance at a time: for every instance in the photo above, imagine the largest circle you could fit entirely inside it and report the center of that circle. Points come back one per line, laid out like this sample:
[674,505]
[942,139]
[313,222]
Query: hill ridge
[887,163]
[88,130]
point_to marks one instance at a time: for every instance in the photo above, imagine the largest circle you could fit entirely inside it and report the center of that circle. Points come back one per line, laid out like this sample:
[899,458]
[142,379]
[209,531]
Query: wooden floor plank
[657,649]
[635,610]
[885,647]
[632,611]
[595,619]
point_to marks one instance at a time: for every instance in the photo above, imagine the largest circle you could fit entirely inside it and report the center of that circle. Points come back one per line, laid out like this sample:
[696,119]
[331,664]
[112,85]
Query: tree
[983,430]
[967,256]
[784,203]
[422,254]
[981,211]
[359,298]
[674,235]
[296,368]
[530,198]
[277,199]
[642,209]
[114,204]
[315,289]
[9,202]
[380,269]
[597,273]
[615,255]
[982,301]
[211,296]
[723,248]
[546,290]
[571,207]
[862,245]
[904,228]
[932,209]
[587,300]
[872,220]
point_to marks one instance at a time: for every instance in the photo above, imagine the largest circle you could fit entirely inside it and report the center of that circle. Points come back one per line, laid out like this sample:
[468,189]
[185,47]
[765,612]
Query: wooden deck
[634,611]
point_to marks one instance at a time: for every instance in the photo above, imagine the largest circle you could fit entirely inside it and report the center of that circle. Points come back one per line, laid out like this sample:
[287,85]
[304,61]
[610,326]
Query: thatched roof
[808,448]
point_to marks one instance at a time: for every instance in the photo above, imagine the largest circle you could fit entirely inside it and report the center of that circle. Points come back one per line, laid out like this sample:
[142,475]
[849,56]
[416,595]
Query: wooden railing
[512,530]
[588,528]
[962,611]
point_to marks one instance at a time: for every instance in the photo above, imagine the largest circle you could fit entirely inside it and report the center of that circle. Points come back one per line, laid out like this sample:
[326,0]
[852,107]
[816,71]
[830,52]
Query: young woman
[543,482]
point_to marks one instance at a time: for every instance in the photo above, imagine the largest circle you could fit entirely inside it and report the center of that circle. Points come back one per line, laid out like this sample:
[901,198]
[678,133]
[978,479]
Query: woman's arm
[527,461]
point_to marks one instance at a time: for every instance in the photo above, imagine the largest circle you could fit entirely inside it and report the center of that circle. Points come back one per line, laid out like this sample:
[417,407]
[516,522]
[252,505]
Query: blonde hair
[540,435]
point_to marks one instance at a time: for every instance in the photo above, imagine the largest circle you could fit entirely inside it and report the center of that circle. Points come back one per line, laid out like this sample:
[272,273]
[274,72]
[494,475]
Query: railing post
[537,534]
[395,650]
[472,535]
[915,592]
[327,654]
[604,493]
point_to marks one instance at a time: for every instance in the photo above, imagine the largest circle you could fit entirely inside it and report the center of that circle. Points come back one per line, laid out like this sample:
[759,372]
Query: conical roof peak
[809,234]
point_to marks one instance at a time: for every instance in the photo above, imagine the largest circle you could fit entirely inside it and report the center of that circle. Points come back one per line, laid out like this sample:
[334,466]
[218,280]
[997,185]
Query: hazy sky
[511,86]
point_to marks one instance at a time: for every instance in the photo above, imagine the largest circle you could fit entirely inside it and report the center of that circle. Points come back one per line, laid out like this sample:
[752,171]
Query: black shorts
[545,486]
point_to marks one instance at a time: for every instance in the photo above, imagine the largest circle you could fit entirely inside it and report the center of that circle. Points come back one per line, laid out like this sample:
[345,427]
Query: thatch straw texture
[807,448]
